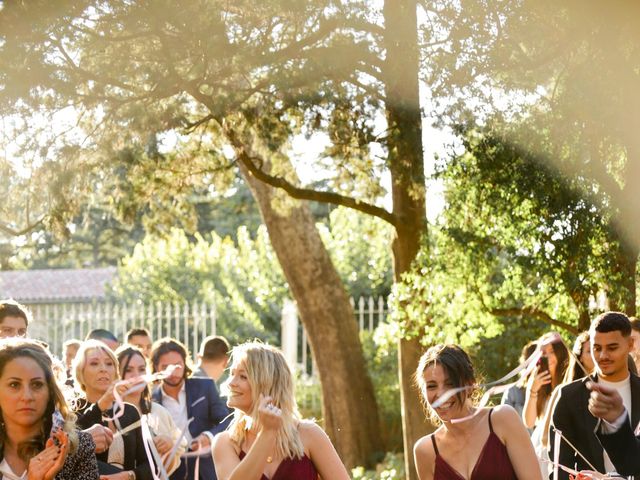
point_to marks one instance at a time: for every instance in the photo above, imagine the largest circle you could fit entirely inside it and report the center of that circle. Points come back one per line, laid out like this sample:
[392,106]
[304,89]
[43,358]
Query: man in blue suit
[191,401]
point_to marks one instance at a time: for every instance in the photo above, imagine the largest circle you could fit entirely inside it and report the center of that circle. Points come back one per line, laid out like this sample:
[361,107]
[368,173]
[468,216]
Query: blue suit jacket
[209,414]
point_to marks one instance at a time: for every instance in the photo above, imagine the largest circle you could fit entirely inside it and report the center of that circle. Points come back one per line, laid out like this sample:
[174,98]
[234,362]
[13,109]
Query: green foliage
[309,398]
[392,468]
[359,248]
[242,276]
[243,280]
[381,355]
[542,78]
[519,250]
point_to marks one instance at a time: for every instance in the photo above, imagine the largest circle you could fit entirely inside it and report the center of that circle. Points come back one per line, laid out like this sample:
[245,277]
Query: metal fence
[187,322]
[190,323]
[369,313]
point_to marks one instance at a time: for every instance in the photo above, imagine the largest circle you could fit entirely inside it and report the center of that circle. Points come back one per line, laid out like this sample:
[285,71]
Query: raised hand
[47,464]
[605,402]
[270,416]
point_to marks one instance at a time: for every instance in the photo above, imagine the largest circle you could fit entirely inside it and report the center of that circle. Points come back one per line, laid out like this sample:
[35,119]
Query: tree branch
[534,313]
[6,229]
[305,193]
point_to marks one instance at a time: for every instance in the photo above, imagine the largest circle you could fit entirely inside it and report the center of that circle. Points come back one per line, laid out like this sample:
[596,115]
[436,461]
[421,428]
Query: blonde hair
[80,360]
[268,374]
[13,348]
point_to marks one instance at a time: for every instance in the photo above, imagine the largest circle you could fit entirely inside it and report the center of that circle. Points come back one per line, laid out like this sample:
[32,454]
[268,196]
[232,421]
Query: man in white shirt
[611,342]
[194,404]
[615,432]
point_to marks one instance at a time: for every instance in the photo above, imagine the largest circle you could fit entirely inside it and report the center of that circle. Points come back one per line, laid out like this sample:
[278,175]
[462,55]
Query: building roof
[58,285]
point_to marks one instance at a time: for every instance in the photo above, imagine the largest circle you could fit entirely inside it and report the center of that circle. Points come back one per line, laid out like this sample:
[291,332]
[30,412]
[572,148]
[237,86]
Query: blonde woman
[95,371]
[38,439]
[267,439]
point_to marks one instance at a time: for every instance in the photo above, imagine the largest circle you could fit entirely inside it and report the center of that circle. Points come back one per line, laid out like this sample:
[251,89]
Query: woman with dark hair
[541,393]
[37,431]
[471,442]
[549,374]
[95,371]
[133,365]
[581,358]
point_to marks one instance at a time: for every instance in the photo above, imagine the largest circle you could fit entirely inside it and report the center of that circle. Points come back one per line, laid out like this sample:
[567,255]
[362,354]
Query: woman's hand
[269,415]
[163,443]
[121,386]
[541,378]
[47,464]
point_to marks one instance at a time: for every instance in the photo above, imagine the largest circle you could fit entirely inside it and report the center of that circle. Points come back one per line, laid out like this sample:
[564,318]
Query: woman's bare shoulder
[222,442]
[310,430]
[504,413]
[424,446]
[505,421]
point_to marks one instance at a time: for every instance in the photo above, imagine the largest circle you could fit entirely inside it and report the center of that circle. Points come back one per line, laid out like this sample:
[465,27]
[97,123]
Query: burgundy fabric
[492,464]
[292,469]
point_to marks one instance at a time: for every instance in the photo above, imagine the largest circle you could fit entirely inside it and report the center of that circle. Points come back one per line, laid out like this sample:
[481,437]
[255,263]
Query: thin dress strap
[435,447]
[490,425]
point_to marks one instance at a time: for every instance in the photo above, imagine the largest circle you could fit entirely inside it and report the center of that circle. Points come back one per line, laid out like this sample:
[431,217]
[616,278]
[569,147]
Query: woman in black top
[95,371]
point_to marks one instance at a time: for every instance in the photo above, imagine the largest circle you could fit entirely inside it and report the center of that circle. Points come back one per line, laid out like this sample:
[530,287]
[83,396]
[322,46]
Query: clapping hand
[47,464]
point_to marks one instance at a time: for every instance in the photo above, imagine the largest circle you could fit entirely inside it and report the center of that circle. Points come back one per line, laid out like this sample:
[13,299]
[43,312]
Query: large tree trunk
[349,405]
[624,297]
[406,163]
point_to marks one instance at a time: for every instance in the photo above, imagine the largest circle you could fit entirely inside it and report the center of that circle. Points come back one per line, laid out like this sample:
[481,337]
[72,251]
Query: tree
[246,76]
[570,70]
[135,71]
[241,275]
[523,247]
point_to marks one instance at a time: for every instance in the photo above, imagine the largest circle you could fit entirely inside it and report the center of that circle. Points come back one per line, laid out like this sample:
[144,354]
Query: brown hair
[166,345]
[13,348]
[214,348]
[458,368]
[124,354]
[11,308]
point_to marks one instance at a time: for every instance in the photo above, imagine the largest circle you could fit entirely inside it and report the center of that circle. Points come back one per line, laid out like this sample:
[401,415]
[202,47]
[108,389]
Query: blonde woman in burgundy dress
[267,439]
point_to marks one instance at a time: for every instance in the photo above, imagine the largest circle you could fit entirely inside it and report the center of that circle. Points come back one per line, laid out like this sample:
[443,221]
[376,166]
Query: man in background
[14,319]
[105,336]
[193,403]
[213,358]
[611,342]
[141,338]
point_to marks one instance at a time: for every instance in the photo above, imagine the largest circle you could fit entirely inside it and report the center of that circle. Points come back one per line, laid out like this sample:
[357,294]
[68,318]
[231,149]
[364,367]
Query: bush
[309,397]
[392,468]
[381,355]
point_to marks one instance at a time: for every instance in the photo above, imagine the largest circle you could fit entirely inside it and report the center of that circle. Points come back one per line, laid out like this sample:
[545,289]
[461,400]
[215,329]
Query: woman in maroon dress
[267,439]
[471,443]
